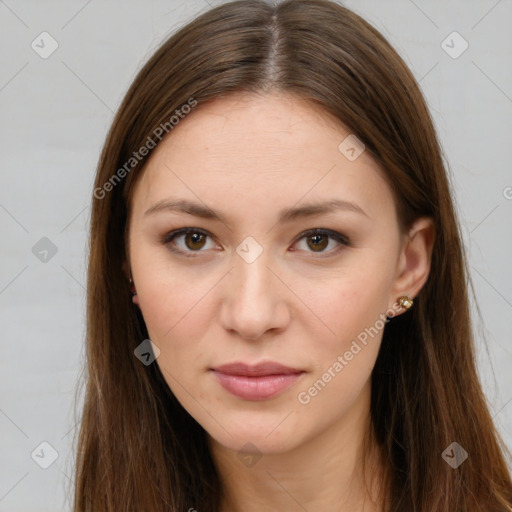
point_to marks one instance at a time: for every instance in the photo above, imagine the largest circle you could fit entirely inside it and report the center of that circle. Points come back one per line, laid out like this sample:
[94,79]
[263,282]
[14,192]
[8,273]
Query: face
[308,289]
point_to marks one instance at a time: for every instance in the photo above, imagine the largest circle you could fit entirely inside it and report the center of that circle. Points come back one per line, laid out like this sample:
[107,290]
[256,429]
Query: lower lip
[256,388]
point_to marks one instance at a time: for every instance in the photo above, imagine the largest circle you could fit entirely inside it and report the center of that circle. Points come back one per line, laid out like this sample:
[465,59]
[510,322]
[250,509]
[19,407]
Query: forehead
[272,148]
[248,122]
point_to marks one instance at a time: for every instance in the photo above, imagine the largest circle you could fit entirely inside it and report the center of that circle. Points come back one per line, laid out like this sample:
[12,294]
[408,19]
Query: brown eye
[194,240]
[187,241]
[319,242]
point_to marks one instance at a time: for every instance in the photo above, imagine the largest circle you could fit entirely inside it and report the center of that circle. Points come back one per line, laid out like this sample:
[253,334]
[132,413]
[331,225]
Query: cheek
[342,363]
[176,321]
[352,303]
[353,307]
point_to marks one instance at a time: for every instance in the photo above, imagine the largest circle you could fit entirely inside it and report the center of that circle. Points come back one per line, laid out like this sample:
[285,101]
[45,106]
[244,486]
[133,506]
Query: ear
[414,262]
[128,274]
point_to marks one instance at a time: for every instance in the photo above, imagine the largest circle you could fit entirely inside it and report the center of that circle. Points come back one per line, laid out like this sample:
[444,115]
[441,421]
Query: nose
[254,300]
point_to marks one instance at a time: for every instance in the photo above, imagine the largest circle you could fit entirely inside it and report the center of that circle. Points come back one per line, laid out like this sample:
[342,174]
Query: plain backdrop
[55,113]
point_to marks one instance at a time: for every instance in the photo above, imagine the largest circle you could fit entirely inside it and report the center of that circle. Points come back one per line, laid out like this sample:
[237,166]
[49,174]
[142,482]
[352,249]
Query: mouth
[256,382]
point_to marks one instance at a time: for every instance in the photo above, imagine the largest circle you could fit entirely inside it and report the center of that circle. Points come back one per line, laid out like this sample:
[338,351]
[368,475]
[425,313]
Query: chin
[247,438]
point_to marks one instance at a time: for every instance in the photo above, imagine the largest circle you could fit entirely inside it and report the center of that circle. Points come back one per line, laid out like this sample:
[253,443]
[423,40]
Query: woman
[278,310]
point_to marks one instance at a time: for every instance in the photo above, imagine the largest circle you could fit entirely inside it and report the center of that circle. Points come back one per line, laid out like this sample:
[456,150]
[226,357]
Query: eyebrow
[286,215]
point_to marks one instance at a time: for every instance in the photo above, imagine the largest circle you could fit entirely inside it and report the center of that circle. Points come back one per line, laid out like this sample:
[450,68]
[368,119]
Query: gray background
[55,113]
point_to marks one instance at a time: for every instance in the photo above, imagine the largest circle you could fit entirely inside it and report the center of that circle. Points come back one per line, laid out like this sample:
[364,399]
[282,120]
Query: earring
[405,302]
[133,290]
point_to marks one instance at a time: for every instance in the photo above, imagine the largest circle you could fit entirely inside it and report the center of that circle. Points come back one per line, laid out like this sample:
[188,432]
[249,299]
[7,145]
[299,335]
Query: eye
[318,239]
[194,240]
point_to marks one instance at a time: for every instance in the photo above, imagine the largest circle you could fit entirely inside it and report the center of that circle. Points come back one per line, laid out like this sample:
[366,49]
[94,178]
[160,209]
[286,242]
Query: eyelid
[342,239]
[169,237]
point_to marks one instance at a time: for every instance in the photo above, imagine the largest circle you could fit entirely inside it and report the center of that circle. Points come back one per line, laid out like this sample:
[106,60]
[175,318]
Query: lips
[256,382]
[265,368]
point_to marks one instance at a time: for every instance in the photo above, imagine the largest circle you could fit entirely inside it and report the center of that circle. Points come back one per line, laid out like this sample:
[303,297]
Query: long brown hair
[138,449]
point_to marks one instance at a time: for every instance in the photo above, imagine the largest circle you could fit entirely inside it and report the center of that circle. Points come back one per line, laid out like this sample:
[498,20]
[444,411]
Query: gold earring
[133,290]
[405,302]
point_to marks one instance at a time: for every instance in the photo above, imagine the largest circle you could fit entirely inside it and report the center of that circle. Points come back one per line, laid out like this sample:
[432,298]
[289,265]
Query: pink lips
[257,382]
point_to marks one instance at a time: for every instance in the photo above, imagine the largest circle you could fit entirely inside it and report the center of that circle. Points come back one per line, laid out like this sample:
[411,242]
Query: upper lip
[264,368]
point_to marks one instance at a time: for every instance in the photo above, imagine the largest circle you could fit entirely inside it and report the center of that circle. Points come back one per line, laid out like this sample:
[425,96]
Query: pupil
[316,244]
[196,238]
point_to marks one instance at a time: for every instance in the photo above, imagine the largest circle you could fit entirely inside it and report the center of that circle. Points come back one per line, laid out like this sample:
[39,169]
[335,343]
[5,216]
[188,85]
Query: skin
[298,303]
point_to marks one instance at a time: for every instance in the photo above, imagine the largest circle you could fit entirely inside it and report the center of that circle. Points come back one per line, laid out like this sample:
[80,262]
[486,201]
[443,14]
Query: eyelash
[342,239]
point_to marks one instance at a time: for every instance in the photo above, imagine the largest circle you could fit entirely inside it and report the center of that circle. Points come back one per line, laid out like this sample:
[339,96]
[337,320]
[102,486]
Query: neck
[324,470]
